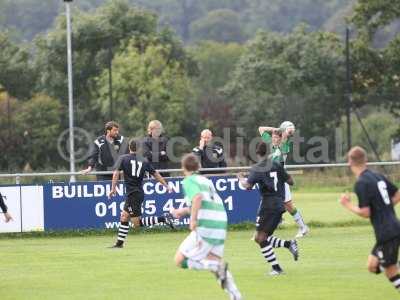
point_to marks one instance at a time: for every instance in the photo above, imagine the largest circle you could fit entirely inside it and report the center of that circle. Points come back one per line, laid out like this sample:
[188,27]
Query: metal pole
[110,80]
[9,132]
[70,94]
[348,88]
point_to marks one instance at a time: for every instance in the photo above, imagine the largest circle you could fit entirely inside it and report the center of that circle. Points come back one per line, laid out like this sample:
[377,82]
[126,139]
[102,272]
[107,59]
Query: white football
[287,125]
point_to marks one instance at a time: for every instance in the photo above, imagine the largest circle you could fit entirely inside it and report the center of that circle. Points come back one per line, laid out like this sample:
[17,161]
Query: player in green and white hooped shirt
[203,249]
[281,147]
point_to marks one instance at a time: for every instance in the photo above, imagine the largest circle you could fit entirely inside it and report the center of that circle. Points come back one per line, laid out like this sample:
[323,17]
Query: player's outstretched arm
[268,129]
[92,158]
[161,180]
[115,178]
[179,212]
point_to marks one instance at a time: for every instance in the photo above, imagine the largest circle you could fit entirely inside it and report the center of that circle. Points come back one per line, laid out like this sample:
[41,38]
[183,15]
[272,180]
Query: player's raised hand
[202,143]
[345,199]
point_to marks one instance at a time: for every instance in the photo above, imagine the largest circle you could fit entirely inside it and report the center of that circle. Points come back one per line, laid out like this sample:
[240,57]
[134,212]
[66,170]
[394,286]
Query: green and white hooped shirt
[212,220]
[279,153]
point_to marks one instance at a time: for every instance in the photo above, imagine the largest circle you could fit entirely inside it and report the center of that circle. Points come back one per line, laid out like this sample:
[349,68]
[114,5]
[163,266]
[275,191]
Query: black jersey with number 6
[271,178]
[375,191]
[134,169]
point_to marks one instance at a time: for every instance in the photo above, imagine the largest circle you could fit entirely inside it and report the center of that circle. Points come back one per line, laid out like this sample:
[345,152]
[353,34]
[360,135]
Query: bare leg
[303,228]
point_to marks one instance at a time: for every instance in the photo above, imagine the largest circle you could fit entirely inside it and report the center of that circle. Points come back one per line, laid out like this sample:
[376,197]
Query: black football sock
[149,221]
[122,233]
[395,280]
[277,242]
[268,252]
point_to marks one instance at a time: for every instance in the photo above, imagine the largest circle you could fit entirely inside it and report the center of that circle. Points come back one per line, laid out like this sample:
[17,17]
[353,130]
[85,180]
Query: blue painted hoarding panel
[84,205]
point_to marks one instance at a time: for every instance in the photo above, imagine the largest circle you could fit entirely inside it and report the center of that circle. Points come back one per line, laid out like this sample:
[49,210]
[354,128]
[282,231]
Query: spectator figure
[106,151]
[155,147]
[209,154]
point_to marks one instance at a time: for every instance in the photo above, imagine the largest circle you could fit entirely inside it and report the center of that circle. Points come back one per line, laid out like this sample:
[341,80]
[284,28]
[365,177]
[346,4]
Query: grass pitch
[331,265]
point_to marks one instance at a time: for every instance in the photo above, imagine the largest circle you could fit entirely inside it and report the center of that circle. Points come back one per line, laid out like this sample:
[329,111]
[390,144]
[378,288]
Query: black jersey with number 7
[134,169]
[270,177]
[375,191]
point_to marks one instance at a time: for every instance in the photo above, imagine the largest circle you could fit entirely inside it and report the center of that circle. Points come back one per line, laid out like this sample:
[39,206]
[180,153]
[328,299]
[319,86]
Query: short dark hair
[277,132]
[110,125]
[357,156]
[132,145]
[261,149]
[190,162]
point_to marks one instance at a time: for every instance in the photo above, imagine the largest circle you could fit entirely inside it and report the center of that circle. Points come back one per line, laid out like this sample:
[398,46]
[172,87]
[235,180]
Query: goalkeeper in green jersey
[203,248]
[281,147]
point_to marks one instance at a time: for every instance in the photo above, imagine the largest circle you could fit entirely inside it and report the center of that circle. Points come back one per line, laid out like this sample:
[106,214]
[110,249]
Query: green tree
[298,77]
[16,73]
[371,15]
[376,74]
[10,141]
[216,62]
[221,25]
[39,126]
[94,35]
[147,85]
[26,18]
[284,16]
[380,128]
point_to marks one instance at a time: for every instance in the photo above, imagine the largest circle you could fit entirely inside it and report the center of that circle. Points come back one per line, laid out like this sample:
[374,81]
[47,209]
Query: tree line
[298,75]
[223,20]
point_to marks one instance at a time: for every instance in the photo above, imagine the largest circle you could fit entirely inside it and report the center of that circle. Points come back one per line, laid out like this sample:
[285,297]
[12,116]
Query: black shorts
[268,220]
[133,204]
[387,252]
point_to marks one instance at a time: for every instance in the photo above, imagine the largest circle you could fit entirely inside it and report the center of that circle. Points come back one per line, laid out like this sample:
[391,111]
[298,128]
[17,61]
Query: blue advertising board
[84,205]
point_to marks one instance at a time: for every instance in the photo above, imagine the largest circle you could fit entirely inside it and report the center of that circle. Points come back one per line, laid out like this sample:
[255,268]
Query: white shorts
[194,247]
[288,194]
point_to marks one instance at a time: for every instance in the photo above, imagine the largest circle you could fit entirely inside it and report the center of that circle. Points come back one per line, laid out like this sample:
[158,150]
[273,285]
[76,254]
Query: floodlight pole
[70,93]
[9,131]
[348,89]
[110,95]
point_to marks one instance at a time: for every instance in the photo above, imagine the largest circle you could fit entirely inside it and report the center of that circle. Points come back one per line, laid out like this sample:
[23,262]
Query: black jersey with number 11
[375,191]
[134,169]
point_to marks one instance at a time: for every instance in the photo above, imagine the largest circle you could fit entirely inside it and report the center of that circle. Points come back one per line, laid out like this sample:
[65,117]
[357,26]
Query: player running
[271,178]
[203,248]
[134,169]
[281,147]
[376,199]
[4,208]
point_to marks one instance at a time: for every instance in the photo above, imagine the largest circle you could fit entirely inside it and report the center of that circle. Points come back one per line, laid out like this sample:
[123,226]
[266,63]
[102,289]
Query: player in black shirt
[270,177]
[376,199]
[134,169]
[4,208]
